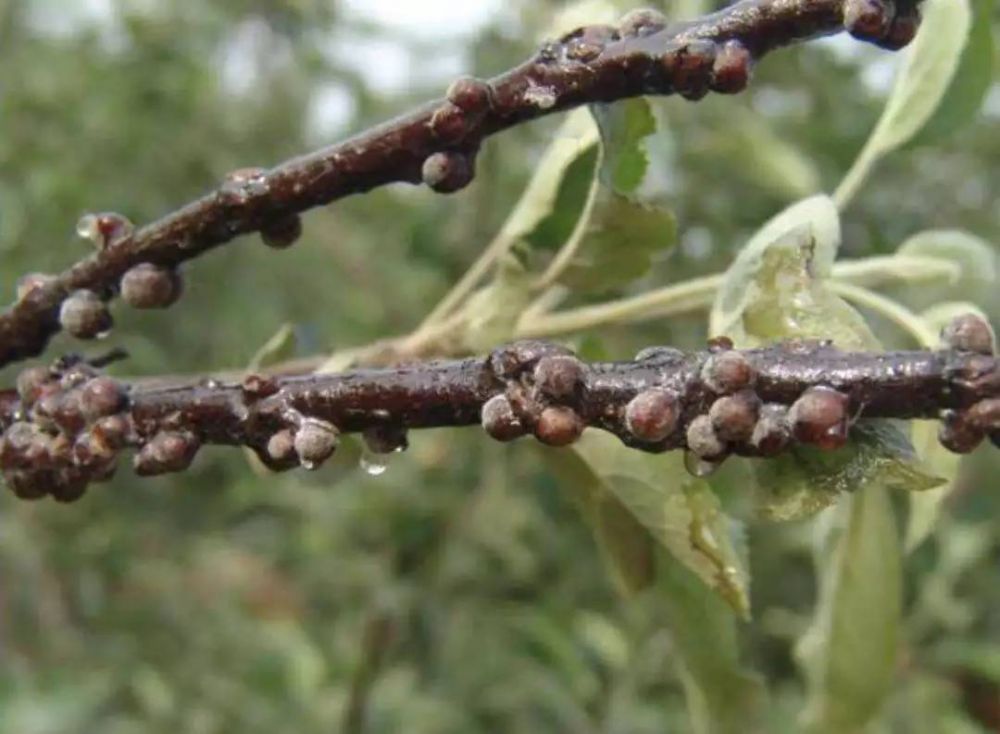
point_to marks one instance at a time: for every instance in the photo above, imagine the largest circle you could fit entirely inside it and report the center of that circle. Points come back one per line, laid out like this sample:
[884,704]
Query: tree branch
[66,425]
[436,144]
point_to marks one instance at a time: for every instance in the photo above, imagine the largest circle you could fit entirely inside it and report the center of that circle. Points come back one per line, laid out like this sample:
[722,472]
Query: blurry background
[458,591]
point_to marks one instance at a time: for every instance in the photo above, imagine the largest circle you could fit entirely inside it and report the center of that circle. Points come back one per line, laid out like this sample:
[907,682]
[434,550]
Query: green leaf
[623,127]
[928,71]
[678,510]
[849,653]
[808,480]
[808,237]
[621,239]
[775,290]
[976,258]
[553,200]
[723,696]
[970,83]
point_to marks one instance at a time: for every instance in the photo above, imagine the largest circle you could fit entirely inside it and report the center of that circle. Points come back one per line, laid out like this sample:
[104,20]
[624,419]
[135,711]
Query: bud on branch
[65,426]
[435,145]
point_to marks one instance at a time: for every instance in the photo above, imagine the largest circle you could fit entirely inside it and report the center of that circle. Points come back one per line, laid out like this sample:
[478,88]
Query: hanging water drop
[374,465]
[699,467]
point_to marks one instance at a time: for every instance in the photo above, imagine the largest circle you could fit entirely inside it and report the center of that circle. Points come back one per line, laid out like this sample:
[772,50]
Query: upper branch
[436,144]
[66,425]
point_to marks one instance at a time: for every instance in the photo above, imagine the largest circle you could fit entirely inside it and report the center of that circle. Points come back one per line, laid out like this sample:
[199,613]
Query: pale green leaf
[623,127]
[970,83]
[723,697]
[929,69]
[775,290]
[492,313]
[813,224]
[849,653]
[975,257]
[678,510]
[619,244]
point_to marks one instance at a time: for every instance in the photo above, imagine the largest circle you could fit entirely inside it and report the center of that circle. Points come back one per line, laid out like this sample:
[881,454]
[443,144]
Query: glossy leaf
[679,511]
[775,291]
[723,696]
[928,72]
[849,654]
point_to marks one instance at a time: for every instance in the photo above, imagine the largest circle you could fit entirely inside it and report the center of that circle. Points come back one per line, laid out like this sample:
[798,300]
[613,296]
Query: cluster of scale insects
[74,421]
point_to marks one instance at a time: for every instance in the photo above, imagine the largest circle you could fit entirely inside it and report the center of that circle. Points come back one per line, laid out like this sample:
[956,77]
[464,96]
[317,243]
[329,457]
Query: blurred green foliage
[459,591]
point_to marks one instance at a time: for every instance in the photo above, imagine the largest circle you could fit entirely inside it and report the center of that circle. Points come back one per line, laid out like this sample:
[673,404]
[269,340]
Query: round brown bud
[867,20]
[315,441]
[101,396]
[772,434]
[23,445]
[732,67]
[25,484]
[281,446]
[820,417]
[958,434]
[559,426]
[985,415]
[499,420]
[470,95]
[91,452]
[728,372]
[32,283]
[559,376]
[703,441]
[691,69]
[84,315]
[969,333]
[65,410]
[150,286]
[30,384]
[68,487]
[642,22]
[447,172]
[112,431]
[904,29]
[166,452]
[720,344]
[449,123]
[652,415]
[734,417]
[282,232]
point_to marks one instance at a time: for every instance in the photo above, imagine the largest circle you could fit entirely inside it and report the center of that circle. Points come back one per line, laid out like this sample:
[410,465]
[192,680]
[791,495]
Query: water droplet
[308,465]
[103,334]
[697,466]
[86,227]
[374,465]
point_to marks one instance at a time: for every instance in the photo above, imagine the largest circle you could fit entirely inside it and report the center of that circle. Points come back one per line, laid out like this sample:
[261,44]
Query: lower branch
[66,425]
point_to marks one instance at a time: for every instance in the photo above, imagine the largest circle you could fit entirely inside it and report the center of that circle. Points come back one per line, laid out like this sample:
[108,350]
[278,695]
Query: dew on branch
[243,185]
[104,229]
